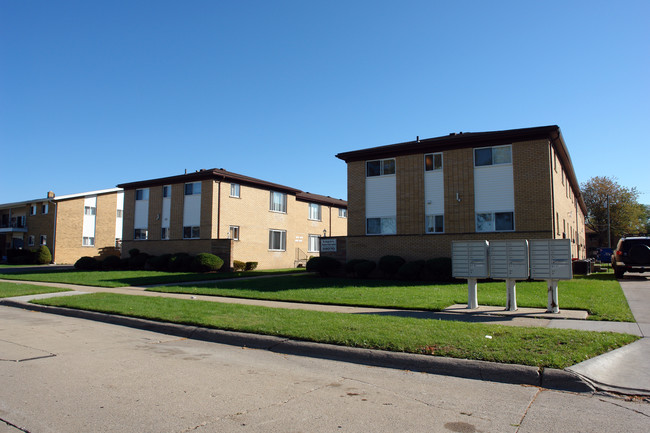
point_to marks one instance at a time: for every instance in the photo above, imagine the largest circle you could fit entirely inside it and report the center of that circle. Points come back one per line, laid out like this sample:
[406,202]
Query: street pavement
[65,374]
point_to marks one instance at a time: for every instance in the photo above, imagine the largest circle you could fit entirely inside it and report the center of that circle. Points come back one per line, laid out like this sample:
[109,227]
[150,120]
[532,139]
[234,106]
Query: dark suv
[632,254]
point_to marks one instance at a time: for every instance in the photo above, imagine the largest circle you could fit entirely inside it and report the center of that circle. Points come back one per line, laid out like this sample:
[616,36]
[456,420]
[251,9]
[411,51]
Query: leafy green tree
[625,213]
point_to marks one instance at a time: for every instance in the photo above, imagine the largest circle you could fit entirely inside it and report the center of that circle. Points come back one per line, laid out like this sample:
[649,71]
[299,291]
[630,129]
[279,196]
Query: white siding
[192,210]
[166,211]
[434,193]
[381,196]
[494,188]
[119,221]
[89,220]
[141,217]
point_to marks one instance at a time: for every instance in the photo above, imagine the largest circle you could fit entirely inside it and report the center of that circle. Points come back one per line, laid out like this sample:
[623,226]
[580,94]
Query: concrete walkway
[625,370]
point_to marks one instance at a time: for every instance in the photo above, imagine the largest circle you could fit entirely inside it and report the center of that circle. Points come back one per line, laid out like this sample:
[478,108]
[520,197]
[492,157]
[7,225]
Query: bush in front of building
[43,256]
[180,262]
[389,265]
[158,263]
[439,269]
[87,263]
[364,268]
[238,265]
[250,266]
[349,266]
[323,265]
[410,270]
[111,263]
[19,257]
[206,262]
[138,261]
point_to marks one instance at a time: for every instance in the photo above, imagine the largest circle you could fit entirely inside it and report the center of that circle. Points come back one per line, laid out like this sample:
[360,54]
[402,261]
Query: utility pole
[609,226]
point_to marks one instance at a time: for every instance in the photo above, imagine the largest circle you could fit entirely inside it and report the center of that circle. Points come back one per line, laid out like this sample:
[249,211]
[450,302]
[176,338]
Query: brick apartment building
[72,226]
[412,199]
[233,216]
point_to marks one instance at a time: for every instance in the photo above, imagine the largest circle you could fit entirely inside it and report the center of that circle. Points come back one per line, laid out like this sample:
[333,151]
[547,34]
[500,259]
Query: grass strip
[10,290]
[133,278]
[600,295]
[555,348]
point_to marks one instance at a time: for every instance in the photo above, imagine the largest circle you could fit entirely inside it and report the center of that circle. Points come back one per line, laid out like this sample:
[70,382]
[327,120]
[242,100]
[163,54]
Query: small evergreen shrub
[87,264]
[439,269]
[364,268]
[19,257]
[250,266]
[238,265]
[323,265]
[206,262]
[349,266]
[389,265]
[180,262]
[111,263]
[410,270]
[158,263]
[43,256]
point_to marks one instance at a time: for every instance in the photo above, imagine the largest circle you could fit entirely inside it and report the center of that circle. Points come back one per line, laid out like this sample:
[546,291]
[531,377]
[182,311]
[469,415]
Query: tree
[626,215]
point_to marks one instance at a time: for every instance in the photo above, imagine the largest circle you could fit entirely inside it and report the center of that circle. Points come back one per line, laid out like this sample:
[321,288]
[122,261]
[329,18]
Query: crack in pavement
[532,400]
[13,425]
[624,407]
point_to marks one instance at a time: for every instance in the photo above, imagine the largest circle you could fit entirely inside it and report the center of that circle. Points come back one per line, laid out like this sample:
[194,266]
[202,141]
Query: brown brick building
[71,226]
[233,216]
[412,199]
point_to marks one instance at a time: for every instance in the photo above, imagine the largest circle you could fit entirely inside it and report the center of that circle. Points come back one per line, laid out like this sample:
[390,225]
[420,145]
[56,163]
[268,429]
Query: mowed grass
[600,295]
[132,278]
[9,290]
[527,346]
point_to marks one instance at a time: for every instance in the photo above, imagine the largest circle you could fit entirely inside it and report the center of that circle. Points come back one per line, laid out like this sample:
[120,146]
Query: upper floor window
[234,190]
[142,194]
[88,241]
[492,155]
[32,209]
[278,202]
[381,226]
[435,224]
[45,208]
[140,234]
[119,213]
[433,161]
[193,188]
[43,239]
[380,167]
[234,233]
[167,191]
[30,241]
[495,222]
[314,212]
[343,213]
[89,210]
[191,232]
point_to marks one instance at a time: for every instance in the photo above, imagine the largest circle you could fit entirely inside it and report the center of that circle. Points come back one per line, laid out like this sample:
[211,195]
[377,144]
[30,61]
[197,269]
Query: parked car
[632,254]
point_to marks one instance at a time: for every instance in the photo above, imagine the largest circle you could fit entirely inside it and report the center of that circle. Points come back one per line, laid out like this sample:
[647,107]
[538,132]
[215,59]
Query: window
[142,194]
[314,211]
[495,222]
[43,240]
[119,213]
[278,202]
[435,224]
[343,213]
[381,167]
[164,233]
[89,210]
[191,232]
[314,244]
[277,240]
[234,233]
[30,241]
[45,209]
[193,188]
[32,209]
[234,190]
[167,191]
[140,234]
[381,226]
[492,155]
[433,161]
[88,241]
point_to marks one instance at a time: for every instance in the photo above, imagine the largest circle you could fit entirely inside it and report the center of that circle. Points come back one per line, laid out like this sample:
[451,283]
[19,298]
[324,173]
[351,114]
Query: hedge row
[243,266]
[39,256]
[438,269]
[179,262]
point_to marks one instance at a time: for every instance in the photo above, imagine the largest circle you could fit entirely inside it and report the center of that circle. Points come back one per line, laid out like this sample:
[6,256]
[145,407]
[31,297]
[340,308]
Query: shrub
[111,263]
[158,263]
[389,265]
[206,262]
[138,261]
[19,257]
[87,264]
[364,268]
[134,252]
[349,266]
[250,266]
[180,262]
[323,265]
[43,256]
[410,270]
[238,265]
[439,269]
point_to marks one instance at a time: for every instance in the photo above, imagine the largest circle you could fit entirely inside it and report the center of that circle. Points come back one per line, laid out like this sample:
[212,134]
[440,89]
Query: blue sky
[97,93]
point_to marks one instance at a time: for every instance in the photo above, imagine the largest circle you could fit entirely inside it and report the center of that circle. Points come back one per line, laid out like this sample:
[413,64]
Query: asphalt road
[62,374]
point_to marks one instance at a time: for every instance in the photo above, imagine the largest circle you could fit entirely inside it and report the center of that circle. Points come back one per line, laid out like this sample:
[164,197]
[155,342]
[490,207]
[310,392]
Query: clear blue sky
[96,93]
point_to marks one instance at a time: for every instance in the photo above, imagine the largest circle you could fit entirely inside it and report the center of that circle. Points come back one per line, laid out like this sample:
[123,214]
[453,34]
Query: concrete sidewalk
[624,370]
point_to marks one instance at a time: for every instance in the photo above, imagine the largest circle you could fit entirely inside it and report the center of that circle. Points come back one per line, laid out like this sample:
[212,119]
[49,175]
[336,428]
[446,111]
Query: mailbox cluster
[512,260]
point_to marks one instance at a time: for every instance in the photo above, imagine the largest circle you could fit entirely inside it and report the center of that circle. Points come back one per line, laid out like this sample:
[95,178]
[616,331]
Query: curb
[549,378]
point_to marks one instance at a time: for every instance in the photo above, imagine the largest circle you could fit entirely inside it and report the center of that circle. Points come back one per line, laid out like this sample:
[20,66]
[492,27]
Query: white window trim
[89,243]
[234,238]
[192,232]
[282,236]
[380,225]
[144,192]
[144,231]
[194,189]
[343,213]
[433,157]
[319,211]
[309,245]
[237,192]
[434,224]
[381,167]
[492,148]
[32,209]
[494,221]
[164,233]
[43,240]
[284,202]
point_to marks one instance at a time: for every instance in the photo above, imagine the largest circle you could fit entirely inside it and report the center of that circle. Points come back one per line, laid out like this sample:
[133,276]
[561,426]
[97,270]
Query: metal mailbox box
[470,259]
[509,259]
[550,259]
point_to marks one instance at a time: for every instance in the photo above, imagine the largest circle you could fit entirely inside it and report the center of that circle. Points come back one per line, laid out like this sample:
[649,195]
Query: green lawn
[131,278]
[518,345]
[599,294]
[9,290]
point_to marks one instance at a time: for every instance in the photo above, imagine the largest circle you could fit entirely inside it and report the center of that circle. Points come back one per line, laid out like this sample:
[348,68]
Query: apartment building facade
[414,198]
[71,226]
[233,216]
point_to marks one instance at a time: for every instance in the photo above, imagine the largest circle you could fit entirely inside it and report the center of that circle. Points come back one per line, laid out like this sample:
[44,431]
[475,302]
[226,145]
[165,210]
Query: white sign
[327,245]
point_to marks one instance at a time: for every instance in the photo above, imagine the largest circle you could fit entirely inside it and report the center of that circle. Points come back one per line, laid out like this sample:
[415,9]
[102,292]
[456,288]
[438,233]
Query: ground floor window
[234,233]
[31,240]
[495,222]
[164,233]
[314,244]
[191,232]
[381,226]
[277,240]
[435,224]
[140,234]
[43,240]
[88,241]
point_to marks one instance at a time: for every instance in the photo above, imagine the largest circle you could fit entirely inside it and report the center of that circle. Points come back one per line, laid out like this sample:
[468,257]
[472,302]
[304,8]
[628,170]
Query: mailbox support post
[553,306]
[511,299]
[472,298]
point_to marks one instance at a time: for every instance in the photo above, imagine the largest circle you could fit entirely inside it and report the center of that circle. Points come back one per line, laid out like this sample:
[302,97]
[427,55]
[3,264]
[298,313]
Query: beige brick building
[72,226]
[412,199]
[233,216]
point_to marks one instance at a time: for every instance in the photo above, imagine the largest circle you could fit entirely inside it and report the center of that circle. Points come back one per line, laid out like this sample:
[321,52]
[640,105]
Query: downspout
[550,154]
[330,207]
[219,211]
[56,208]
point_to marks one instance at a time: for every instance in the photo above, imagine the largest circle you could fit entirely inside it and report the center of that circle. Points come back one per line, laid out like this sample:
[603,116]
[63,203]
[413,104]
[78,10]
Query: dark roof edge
[321,199]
